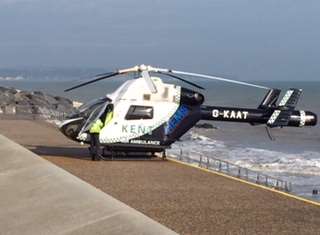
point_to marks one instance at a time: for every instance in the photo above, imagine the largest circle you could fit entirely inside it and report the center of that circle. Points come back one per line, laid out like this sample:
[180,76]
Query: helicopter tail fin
[290,99]
[281,115]
[270,99]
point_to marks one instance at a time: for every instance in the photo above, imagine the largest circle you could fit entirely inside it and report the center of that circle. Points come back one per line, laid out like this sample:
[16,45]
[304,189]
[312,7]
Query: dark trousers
[95,146]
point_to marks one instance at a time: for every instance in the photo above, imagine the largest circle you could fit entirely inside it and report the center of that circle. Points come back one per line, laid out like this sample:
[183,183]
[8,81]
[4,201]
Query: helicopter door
[94,116]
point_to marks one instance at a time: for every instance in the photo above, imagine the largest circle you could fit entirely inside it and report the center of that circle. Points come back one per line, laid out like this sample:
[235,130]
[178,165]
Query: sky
[239,39]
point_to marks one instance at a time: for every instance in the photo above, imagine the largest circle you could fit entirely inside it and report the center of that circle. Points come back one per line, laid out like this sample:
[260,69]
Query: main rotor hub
[143,67]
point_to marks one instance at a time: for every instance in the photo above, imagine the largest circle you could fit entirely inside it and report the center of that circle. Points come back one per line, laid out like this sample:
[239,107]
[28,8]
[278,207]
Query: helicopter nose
[71,128]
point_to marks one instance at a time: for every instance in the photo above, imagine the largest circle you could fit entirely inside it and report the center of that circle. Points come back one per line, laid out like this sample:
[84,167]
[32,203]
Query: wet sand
[185,199]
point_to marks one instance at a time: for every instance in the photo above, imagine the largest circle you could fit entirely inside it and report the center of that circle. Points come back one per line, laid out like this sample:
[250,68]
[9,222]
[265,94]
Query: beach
[185,199]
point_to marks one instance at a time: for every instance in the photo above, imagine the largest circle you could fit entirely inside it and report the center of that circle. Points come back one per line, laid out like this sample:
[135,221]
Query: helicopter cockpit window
[139,112]
[86,109]
[92,104]
[93,117]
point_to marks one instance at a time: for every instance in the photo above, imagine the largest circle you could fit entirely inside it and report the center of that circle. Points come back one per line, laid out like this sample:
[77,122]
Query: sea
[293,155]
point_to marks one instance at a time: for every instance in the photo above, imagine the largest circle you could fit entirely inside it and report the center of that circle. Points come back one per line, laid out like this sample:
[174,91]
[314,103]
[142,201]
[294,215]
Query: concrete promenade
[185,199]
[37,197]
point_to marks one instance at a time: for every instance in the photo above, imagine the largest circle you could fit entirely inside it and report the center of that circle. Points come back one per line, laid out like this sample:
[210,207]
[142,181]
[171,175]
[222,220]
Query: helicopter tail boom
[294,118]
[268,112]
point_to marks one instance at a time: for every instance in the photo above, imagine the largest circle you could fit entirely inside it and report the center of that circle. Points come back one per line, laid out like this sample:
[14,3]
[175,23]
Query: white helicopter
[149,115]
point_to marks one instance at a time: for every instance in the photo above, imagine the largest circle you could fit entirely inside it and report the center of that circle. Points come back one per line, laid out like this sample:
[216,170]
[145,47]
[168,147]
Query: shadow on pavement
[70,152]
[82,153]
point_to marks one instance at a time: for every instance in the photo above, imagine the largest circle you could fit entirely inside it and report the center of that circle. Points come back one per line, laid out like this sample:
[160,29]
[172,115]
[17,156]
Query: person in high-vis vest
[95,131]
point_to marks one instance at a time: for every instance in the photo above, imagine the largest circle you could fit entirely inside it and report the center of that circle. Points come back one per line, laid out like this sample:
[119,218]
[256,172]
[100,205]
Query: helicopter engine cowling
[190,97]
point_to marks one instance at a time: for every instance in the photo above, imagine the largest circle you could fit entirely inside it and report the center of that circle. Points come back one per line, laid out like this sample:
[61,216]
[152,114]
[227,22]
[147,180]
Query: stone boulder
[17,102]
[205,126]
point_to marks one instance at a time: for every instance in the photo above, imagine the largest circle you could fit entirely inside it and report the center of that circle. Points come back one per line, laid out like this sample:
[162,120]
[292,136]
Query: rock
[45,97]
[37,93]
[3,89]
[63,101]
[36,103]
[21,98]
[7,96]
[76,104]
[10,109]
[13,91]
[38,100]
[63,108]
[24,109]
[206,126]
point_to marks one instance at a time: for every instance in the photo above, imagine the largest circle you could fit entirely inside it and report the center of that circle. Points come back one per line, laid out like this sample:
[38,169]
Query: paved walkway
[37,197]
[185,199]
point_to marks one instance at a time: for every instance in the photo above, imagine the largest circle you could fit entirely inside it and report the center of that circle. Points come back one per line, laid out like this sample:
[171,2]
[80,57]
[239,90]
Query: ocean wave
[8,78]
[271,161]
[306,163]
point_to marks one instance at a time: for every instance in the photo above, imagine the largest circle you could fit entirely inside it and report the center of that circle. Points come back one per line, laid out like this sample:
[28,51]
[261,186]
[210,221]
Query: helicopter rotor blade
[168,72]
[181,79]
[107,75]
[218,79]
[207,77]
[102,74]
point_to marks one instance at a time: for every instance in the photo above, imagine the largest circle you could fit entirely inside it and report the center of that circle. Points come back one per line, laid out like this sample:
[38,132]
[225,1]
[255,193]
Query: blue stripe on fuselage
[174,121]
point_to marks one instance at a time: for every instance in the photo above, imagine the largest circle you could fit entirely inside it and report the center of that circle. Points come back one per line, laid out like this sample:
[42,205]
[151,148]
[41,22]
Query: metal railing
[234,170]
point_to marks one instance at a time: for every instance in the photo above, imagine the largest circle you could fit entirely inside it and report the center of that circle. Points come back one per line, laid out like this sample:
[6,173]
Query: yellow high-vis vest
[108,118]
[98,125]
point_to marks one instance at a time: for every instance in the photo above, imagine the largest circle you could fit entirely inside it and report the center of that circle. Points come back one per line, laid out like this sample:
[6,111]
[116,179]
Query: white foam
[305,163]
[8,78]
[302,170]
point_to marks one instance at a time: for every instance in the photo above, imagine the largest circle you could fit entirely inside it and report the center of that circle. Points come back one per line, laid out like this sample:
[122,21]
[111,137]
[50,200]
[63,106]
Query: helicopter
[149,115]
